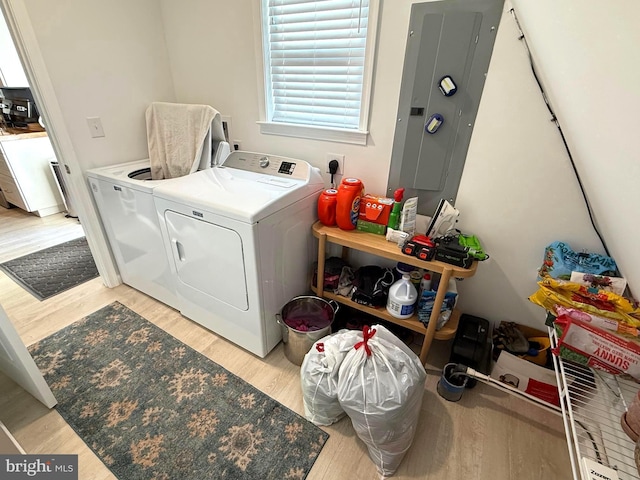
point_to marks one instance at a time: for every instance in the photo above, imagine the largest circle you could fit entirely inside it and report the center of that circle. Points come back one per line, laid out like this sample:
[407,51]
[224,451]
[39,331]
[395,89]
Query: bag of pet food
[600,282]
[553,293]
[589,345]
[600,322]
[380,387]
[319,376]
[560,260]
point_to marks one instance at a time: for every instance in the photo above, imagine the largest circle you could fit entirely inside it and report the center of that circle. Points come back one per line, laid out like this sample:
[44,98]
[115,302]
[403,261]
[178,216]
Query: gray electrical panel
[448,52]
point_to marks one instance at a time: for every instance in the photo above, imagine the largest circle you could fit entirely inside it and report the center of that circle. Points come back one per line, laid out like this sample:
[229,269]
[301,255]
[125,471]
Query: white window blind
[315,57]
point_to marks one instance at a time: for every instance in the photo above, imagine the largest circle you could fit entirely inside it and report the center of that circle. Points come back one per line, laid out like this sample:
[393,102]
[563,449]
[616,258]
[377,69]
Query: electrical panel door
[448,51]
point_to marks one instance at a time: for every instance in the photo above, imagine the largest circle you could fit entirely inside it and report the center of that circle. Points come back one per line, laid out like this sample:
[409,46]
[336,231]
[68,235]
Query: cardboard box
[526,373]
[370,227]
[375,209]
[540,336]
[527,377]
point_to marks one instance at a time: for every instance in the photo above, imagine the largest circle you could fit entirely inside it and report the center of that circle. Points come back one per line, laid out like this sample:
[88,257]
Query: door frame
[17,363]
[25,41]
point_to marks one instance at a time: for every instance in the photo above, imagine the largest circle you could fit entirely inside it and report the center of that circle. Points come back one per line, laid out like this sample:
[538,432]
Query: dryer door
[208,258]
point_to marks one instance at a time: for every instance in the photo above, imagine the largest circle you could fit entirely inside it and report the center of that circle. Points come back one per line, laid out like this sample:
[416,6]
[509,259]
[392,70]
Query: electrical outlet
[236,145]
[335,156]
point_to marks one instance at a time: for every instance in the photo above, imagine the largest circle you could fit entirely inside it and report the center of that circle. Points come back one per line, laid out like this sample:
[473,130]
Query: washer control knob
[264,162]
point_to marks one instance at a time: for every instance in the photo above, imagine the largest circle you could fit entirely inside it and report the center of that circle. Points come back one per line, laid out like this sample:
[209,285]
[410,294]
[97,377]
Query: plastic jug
[349,193]
[402,298]
[425,283]
[327,207]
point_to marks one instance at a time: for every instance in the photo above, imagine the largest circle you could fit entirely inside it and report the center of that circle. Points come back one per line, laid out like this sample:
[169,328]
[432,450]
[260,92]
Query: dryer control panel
[268,164]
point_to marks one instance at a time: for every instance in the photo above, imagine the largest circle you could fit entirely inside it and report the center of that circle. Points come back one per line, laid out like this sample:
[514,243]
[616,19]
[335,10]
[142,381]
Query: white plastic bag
[380,386]
[319,376]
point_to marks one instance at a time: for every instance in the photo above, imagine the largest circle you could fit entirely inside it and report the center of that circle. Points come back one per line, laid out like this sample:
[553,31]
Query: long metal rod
[564,405]
[486,379]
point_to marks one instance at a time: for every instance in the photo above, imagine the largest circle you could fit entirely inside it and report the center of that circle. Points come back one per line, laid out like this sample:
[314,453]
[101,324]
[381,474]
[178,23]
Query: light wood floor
[487,435]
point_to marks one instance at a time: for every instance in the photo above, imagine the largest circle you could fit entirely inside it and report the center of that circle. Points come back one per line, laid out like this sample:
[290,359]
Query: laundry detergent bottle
[327,207]
[348,198]
[402,298]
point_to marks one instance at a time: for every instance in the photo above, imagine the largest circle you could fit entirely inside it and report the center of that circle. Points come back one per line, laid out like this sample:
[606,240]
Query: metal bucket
[303,321]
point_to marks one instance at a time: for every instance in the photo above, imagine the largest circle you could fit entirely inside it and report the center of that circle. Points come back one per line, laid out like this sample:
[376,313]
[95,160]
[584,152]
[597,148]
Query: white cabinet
[26,178]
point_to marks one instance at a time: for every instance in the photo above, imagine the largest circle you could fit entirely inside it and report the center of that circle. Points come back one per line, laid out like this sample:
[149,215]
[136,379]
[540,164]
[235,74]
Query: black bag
[371,285]
[332,270]
[453,256]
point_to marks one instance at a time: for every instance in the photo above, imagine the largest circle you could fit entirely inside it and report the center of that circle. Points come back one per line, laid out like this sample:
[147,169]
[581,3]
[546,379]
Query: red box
[375,209]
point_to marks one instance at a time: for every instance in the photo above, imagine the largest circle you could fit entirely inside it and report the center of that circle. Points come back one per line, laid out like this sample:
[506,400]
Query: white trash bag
[380,386]
[319,376]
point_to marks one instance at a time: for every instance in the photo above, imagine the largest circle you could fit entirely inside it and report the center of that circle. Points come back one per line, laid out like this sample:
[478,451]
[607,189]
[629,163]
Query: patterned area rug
[53,270]
[151,407]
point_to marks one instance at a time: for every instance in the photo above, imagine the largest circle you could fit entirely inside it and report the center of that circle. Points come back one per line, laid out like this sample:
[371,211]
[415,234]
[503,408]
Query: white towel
[176,134]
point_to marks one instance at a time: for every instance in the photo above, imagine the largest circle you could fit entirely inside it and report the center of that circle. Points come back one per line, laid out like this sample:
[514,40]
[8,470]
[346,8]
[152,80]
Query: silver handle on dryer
[179,249]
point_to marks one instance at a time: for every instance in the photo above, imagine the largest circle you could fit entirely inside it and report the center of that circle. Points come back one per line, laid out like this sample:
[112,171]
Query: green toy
[472,246]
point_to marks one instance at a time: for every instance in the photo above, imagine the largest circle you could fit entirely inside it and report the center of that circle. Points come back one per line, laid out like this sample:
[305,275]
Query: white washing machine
[239,241]
[123,194]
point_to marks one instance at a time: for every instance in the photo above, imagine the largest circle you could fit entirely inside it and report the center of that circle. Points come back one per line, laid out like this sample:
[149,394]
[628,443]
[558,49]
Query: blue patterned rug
[151,407]
[53,270]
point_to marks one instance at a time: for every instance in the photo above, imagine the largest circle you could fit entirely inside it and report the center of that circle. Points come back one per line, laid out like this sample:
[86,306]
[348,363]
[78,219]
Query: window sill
[356,137]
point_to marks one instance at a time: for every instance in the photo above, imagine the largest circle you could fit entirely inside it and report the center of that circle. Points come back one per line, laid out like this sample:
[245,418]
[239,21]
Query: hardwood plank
[22,232]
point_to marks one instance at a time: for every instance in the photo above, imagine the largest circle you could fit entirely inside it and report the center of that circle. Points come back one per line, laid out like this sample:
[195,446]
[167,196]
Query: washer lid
[238,190]
[131,174]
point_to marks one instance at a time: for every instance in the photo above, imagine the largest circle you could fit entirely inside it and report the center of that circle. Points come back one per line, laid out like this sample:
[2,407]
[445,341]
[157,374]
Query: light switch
[95,127]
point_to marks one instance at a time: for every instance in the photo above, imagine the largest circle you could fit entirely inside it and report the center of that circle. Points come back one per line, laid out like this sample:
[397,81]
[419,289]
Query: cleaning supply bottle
[327,207]
[394,216]
[402,298]
[401,269]
[408,216]
[415,278]
[425,283]
[348,197]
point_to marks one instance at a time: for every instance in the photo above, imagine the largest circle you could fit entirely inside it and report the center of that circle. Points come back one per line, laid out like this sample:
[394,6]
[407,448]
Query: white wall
[105,59]
[588,60]
[10,67]
[110,59]
[517,191]
[215,50]
[514,146]
[211,50]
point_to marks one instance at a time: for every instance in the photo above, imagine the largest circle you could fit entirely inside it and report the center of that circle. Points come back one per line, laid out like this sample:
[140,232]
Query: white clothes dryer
[239,241]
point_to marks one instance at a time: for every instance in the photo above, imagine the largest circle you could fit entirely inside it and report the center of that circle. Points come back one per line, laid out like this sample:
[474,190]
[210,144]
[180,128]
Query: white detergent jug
[402,298]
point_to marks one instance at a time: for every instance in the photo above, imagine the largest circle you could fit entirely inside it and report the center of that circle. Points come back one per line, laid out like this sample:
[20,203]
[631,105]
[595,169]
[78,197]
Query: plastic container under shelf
[402,298]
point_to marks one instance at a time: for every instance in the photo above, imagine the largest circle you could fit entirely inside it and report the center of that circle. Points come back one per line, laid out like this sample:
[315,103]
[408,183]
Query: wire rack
[592,404]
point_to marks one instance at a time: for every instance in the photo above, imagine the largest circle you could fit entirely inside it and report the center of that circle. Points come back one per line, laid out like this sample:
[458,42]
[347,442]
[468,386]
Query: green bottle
[394,216]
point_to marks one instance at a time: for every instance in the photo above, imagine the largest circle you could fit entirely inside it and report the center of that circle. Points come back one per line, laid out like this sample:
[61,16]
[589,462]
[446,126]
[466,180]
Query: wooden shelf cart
[377,245]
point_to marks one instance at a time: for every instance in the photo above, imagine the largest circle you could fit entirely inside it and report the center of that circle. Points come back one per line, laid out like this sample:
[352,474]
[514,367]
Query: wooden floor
[486,435]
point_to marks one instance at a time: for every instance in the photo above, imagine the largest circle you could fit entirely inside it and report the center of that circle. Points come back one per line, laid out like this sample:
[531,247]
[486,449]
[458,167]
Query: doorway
[23,39]
[22,232]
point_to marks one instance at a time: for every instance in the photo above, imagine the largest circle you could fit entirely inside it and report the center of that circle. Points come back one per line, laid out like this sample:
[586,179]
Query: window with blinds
[316,62]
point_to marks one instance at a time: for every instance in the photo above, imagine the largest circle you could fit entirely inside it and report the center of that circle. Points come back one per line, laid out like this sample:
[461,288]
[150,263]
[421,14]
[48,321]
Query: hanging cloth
[175,136]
